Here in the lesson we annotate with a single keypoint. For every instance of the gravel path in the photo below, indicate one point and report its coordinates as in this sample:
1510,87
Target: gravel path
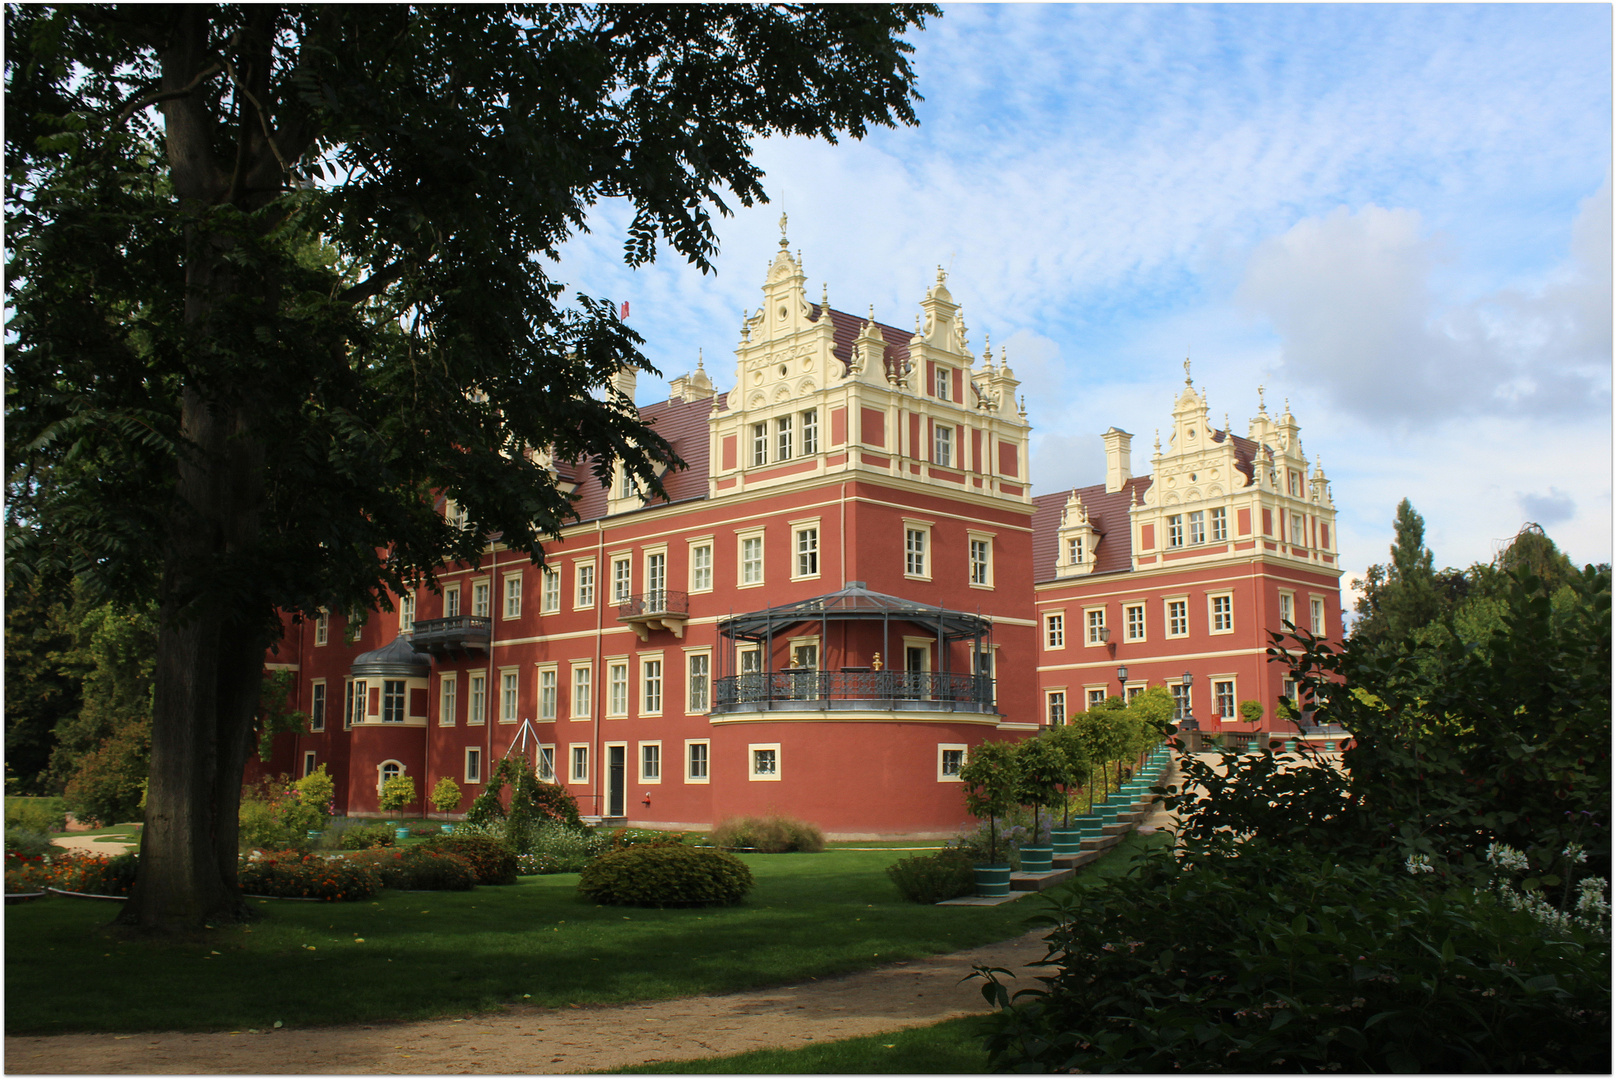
527,1039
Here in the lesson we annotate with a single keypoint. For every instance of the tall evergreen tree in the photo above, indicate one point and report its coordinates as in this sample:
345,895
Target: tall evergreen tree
1400,597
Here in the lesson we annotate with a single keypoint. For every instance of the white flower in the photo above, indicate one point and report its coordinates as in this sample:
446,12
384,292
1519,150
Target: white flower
1505,856
1419,864
1575,853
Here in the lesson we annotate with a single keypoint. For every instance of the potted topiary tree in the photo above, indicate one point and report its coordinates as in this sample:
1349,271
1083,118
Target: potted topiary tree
990,786
397,793
445,795
1042,769
1067,840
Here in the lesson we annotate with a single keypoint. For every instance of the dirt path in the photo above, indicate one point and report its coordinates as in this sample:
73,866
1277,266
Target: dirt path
534,1040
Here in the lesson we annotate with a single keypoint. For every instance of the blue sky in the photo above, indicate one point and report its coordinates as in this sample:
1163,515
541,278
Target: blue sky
1397,217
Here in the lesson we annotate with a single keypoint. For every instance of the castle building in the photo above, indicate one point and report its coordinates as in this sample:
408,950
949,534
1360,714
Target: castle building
848,587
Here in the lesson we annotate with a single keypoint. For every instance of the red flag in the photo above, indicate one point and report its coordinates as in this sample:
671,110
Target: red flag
624,315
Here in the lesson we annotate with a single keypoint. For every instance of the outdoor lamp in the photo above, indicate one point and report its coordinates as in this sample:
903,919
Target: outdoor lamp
1189,679
1122,675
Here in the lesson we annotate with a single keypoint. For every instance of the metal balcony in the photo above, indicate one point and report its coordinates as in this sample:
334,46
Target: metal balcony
886,691
458,634
660,609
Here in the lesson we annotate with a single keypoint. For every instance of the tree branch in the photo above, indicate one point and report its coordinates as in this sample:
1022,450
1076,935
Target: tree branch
159,96
263,118
371,286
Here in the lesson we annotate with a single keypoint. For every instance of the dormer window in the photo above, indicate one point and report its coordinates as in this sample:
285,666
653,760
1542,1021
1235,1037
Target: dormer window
945,383
1074,550
625,483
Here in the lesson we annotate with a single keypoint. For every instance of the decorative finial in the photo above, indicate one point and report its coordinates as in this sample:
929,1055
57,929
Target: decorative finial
698,359
783,242
1004,358
1287,406
1262,406
1186,371
941,273
824,296
1227,430
917,323
1158,440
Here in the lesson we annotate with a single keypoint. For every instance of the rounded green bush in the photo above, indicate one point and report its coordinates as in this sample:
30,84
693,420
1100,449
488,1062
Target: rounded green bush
929,879
492,861
665,875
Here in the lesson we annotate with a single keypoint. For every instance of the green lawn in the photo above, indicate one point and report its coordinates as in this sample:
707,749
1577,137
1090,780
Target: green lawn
417,955
953,1046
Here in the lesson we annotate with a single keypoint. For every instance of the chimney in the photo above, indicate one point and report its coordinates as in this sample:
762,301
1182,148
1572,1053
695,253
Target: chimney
1118,459
624,381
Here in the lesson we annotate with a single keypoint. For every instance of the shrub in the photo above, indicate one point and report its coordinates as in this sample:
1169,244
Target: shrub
100,875
397,793
360,837
492,861
665,875
556,848
319,877
23,841
928,879
426,830
445,795
279,813
36,815
769,835
988,845
1251,711
418,868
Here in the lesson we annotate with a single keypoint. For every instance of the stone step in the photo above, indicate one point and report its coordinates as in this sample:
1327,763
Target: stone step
1072,862
1038,882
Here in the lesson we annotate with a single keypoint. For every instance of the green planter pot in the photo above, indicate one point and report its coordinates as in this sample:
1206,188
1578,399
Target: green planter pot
315,834
1036,859
1066,841
992,879
401,834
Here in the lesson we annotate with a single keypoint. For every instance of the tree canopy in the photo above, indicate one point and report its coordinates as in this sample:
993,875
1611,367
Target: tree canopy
283,279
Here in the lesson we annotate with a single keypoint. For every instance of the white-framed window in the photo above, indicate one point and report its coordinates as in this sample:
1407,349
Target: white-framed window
916,549
698,682
1096,696
586,585
479,600
751,560
810,432
388,770
583,690
353,703
579,764
317,705
749,659
1316,616
550,590
1055,707
1181,701
308,762
1223,697
1197,527
1220,612
944,381
513,596
392,701
1134,690
1287,610
451,602
981,555
1287,690
544,768
701,567
1133,621
1298,531
950,760
942,439
322,628
624,488
1094,625
1294,478
1175,530
1178,618
477,699
1220,524
656,580
698,754
650,763
805,653
650,687
764,760
455,514
474,765
760,444
782,438
406,613
508,695
622,579
1074,551
807,553
549,691
1055,630
448,705
617,688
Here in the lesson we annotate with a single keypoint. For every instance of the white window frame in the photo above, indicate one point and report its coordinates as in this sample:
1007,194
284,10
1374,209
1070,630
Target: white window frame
744,567
406,612
1094,695
701,577
1054,630
646,777
544,766
386,770
653,684
510,694
1298,528
395,702
353,710
1055,699
477,694
472,765
319,705
1234,698
1315,615
512,606
694,705
914,554
451,601
805,560
753,750
548,685
448,698
943,382
322,629
784,441
1287,609
482,599
550,590
760,444
583,575
656,595
622,578
309,761
810,432
1093,626
1197,525
943,749
1218,520
578,763
1168,603
1175,530
1214,616
942,444
706,761
1074,550
979,573
583,690
617,687
1129,623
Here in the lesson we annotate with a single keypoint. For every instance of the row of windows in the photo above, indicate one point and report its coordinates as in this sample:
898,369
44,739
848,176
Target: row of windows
1224,701
1198,521
794,436
1176,619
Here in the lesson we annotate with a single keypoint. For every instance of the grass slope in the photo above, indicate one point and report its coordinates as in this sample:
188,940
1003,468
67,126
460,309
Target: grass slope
953,1046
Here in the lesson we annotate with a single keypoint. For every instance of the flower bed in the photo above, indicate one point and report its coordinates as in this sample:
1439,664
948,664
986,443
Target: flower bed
293,874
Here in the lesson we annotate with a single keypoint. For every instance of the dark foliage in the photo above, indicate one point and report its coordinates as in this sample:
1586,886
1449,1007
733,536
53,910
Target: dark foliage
666,875
928,879
492,861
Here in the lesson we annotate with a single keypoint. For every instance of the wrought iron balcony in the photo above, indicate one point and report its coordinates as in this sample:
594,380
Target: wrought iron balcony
456,634
837,690
659,609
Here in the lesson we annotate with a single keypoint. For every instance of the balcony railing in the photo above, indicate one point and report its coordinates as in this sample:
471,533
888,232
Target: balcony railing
456,634
659,609
885,690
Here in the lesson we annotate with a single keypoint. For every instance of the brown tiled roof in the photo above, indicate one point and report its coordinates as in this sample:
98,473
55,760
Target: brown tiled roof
684,425
845,329
1108,513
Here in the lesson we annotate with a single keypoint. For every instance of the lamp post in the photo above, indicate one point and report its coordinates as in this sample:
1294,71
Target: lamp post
1189,711
1122,680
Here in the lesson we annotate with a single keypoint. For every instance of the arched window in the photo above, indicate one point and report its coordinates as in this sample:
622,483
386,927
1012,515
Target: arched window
387,771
